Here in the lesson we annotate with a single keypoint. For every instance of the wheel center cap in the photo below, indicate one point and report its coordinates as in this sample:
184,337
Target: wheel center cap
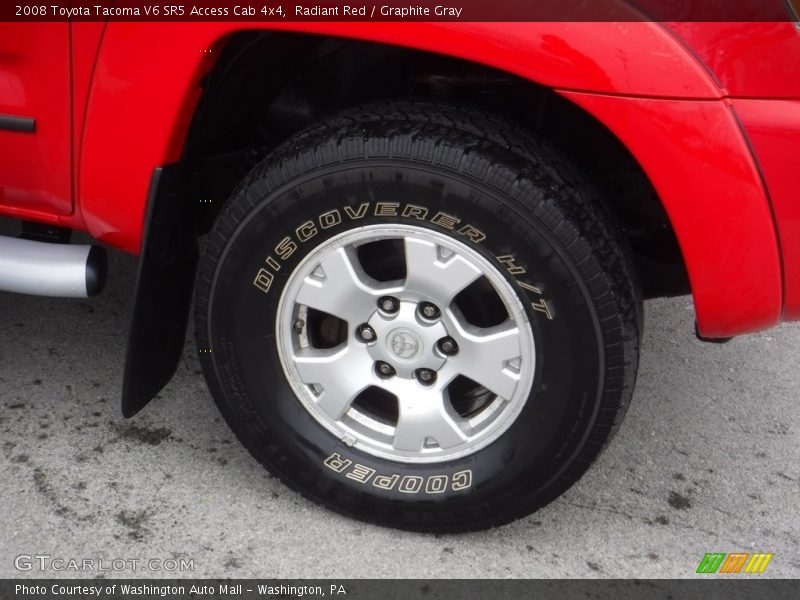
404,343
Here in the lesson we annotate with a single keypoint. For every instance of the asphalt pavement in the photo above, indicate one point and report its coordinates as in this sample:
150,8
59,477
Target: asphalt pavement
706,461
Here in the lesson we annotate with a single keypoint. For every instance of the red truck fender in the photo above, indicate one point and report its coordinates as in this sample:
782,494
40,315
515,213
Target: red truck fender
636,78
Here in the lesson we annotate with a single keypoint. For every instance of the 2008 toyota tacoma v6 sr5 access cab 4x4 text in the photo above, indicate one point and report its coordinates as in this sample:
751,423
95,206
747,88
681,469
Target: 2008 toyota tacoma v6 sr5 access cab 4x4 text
425,245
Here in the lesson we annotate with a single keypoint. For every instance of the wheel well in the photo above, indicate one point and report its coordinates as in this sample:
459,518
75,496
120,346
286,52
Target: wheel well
268,85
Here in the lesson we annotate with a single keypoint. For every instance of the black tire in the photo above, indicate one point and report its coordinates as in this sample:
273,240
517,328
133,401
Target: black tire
535,211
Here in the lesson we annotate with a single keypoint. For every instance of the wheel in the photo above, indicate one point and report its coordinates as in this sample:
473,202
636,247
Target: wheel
418,316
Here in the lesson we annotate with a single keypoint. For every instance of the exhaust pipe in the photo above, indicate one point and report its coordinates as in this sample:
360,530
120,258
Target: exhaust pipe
45,269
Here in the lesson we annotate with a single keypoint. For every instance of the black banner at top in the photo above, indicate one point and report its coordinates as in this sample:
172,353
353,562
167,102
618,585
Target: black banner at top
399,10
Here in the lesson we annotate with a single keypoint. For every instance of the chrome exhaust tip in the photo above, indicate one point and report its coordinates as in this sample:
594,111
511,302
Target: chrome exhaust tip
58,270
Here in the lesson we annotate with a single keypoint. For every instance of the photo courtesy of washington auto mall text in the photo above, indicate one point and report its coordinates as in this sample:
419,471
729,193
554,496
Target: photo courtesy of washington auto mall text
176,589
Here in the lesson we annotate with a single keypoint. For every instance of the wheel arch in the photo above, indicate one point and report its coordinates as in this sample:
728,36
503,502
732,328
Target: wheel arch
148,79
636,85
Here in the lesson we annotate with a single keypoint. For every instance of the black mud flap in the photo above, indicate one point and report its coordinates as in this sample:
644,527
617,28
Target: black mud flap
164,284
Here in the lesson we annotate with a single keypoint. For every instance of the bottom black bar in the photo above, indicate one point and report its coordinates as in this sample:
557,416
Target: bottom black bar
402,589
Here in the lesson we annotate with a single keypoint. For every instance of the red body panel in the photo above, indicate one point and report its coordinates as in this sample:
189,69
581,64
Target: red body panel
698,160
86,42
773,127
667,102
35,168
754,60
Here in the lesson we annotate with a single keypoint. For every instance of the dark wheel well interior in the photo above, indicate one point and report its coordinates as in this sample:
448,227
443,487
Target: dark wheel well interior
268,85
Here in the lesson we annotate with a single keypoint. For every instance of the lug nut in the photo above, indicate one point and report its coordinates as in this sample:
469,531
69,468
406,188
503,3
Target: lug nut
425,376
365,333
447,346
428,310
389,304
384,369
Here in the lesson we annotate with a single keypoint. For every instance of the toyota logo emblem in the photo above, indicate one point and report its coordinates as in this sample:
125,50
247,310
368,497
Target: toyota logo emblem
404,343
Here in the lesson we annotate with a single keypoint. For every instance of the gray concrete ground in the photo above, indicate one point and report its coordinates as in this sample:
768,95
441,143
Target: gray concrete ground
707,460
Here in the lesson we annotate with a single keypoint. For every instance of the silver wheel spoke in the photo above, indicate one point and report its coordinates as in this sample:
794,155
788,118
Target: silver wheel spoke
407,347
341,373
338,286
434,275
424,414
490,357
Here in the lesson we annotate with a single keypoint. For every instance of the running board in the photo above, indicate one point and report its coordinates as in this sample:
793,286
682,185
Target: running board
44,269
